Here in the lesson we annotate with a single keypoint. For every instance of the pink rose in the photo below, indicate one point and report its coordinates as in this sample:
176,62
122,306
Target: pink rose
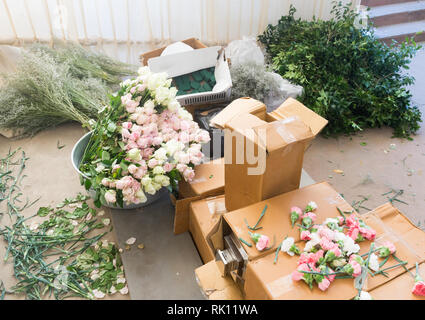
127,125
324,284
152,163
110,196
189,174
305,235
125,133
132,168
168,167
105,182
262,243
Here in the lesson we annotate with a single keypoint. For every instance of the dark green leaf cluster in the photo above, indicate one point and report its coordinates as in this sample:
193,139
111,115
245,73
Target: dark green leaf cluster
349,76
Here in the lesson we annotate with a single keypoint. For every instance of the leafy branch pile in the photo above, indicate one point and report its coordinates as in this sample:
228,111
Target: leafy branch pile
349,76
53,86
59,256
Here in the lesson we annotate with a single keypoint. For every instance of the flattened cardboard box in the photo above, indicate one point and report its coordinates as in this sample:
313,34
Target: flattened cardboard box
266,280
279,137
204,215
399,288
275,279
208,181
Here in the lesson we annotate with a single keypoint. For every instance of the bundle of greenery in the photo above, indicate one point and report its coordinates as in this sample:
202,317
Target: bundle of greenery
349,76
53,86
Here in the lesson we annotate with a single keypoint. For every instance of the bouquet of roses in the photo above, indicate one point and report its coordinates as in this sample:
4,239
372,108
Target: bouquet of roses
142,142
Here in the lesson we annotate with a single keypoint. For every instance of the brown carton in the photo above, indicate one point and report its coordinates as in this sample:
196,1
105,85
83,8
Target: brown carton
204,215
208,181
264,151
275,222
214,286
266,280
193,42
399,288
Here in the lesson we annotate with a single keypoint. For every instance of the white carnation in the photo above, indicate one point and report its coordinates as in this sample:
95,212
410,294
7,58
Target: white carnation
286,245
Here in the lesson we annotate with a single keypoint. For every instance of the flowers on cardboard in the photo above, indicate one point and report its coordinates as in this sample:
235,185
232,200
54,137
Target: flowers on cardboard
387,249
330,249
142,142
288,245
262,242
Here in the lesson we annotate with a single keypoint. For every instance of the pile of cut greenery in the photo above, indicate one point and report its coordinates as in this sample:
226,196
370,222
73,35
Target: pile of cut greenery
59,253
56,85
349,76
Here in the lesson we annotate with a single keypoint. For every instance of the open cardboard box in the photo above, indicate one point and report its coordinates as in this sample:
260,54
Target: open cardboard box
264,151
184,62
208,182
205,214
264,279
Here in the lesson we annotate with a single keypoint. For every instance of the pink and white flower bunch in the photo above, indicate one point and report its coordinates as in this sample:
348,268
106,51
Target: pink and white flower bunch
158,140
331,248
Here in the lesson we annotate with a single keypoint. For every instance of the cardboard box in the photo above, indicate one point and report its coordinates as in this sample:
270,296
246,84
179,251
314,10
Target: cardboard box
204,215
208,180
399,288
204,186
275,279
187,61
214,286
264,151
276,223
193,42
265,280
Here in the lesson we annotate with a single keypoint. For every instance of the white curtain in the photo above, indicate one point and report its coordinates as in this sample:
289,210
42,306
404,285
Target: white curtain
126,28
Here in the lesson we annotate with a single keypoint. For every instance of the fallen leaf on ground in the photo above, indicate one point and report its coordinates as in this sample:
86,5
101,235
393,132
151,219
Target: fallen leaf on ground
141,246
338,171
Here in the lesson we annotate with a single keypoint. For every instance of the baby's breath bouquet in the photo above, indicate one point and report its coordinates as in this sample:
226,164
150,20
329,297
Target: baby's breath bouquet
142,142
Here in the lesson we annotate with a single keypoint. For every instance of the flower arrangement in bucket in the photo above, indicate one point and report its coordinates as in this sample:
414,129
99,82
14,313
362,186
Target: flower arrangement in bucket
144,141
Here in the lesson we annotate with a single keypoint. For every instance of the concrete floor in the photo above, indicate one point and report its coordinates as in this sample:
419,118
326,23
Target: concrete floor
376,168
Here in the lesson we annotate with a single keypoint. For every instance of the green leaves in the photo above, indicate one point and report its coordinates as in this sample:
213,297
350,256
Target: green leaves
349,76
44,211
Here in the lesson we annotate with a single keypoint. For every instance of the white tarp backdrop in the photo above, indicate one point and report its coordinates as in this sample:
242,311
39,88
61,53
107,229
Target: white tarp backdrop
125,28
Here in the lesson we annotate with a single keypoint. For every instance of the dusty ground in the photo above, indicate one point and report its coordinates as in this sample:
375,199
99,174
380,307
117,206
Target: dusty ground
50,176
381,165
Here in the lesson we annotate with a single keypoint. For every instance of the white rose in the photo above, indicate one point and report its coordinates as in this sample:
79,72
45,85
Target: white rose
144,71
160,154
161,95
171,146
157,186
141,195
184,114
146,180
158,170
172,93
134,154
150,188
149,104
174,105
157,80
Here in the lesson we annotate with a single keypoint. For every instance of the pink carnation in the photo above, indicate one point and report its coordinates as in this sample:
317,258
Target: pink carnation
327,244
262,243
310,215
324,284
390,246
367,233
297,210
305,235
297,275
357,268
